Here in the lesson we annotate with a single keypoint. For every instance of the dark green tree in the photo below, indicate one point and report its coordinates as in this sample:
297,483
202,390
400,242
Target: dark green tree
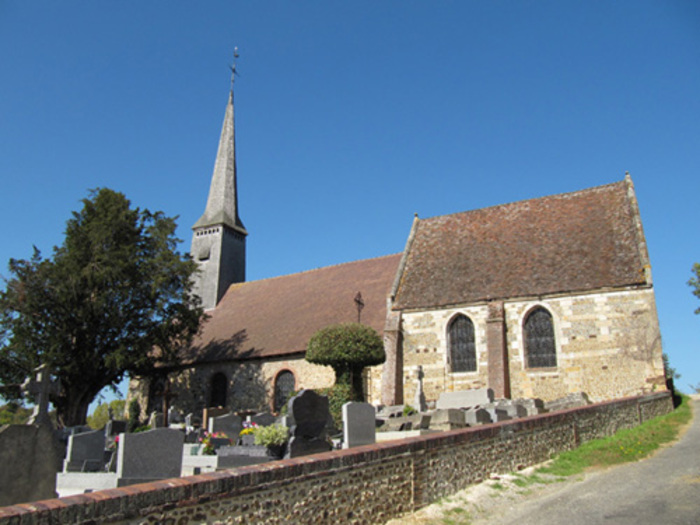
694,283
114,291
348,349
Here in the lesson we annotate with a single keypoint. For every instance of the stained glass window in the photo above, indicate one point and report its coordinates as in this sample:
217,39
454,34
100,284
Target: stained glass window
462,355
540,347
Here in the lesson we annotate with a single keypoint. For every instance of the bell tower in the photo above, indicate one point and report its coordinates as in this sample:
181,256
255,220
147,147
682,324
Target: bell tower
219,237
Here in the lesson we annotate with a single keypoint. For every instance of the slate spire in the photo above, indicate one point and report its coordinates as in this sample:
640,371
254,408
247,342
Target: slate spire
222,204
219,237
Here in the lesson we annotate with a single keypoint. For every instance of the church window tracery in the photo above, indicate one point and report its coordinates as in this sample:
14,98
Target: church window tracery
461,344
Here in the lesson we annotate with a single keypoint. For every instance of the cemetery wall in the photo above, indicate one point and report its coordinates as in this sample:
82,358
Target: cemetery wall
608,346
368,484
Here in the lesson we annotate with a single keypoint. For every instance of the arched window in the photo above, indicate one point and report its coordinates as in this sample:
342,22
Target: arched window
284,386
462,348
540,347
218,390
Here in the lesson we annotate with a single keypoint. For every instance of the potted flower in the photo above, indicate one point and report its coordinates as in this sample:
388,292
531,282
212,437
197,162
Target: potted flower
213,440
273,437
246,436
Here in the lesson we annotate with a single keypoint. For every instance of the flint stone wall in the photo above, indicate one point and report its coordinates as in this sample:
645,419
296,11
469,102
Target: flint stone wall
368,484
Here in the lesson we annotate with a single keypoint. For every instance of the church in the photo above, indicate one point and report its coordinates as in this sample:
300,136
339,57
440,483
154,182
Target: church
534,299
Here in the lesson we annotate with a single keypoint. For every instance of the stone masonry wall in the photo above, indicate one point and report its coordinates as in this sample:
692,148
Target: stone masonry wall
608,345
250,383
368,484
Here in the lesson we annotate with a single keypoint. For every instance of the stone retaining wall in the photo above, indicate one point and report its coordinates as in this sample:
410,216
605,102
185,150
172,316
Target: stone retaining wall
368,484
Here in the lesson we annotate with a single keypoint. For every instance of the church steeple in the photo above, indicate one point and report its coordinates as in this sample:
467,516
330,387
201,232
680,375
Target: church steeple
222,204
219,237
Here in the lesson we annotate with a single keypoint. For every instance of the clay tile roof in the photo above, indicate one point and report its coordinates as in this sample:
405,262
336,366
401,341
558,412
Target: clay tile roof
277,316
586,240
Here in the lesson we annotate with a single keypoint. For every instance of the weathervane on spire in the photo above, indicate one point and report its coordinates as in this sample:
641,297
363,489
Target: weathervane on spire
232,67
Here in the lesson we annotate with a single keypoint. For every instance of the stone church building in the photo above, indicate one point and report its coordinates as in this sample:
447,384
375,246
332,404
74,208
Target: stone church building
537,298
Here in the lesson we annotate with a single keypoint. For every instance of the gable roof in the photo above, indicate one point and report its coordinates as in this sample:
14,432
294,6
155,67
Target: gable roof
586,240
278,316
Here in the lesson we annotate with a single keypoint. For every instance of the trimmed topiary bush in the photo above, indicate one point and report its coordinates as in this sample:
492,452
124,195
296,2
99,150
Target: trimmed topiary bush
348,349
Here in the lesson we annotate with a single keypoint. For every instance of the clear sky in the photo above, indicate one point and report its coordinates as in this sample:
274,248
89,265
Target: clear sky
353,116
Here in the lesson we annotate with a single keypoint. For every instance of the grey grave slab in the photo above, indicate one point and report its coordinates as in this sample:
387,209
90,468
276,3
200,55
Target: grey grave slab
447,419
359,424
532,406
263,419
114,427
30,456
390,411
155,454
465,398
477,416
229,424
85,452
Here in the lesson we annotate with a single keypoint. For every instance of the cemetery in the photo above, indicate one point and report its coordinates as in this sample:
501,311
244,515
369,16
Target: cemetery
338,475
382,443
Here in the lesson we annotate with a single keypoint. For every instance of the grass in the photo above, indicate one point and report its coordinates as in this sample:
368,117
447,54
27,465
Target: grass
625,446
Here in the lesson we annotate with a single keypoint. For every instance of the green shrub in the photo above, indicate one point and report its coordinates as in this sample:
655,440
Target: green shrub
134,416
348,349
273,435
338,395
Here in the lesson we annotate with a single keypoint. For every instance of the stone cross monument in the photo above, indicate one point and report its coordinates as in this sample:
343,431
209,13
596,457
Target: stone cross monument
40,388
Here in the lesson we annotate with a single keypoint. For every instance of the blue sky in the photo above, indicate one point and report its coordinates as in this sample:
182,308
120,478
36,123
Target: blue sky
353,116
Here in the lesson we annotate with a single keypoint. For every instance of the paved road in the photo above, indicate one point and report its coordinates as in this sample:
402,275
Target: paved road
662,490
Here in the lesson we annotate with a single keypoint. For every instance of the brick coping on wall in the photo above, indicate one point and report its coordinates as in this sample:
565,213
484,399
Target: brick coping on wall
134,501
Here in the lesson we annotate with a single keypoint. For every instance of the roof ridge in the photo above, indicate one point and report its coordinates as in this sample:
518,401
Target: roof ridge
532,199
316,269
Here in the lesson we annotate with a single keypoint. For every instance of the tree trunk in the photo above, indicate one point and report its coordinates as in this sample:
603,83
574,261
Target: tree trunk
72,407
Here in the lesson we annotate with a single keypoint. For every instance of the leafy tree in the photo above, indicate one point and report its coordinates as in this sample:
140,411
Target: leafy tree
113,291
14,414
98,419
694,282
348,349
669,370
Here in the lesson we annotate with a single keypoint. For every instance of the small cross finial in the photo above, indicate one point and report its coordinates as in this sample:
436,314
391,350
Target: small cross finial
232,67
359,304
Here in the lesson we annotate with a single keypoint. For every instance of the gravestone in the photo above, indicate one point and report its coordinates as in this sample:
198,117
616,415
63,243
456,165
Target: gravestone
497,414
390,411
30,457
86,452
573,400
263,419
359,424
311,415
477,416
447,419
465,398
532,406
40,388
148,456
115,427
513,409
175,416
229,424
156,420
419,399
